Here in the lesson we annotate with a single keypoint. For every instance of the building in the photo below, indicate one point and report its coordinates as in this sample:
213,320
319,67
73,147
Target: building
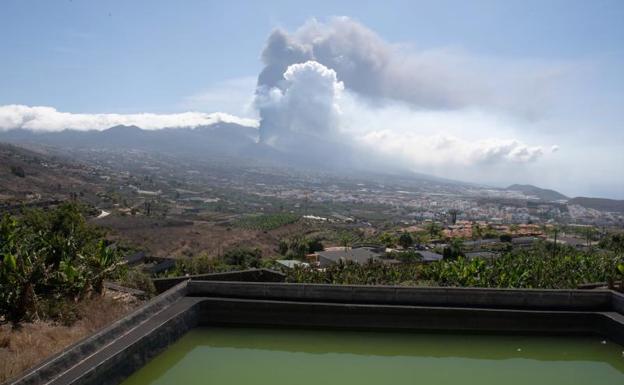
429,256
359,255
291,263
482,255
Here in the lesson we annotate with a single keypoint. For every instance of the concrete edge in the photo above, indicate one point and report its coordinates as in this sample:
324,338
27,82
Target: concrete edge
59,362
595,300
248,275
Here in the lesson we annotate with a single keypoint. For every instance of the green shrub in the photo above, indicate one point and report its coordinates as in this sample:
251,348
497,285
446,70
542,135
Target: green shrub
139,280
534,268
50,256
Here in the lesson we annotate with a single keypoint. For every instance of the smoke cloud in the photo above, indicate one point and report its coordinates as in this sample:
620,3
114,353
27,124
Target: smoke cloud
433,79
339,84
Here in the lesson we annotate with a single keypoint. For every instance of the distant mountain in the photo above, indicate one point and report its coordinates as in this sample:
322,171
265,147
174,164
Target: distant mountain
239,144
600,204
229,141
540,193
216,139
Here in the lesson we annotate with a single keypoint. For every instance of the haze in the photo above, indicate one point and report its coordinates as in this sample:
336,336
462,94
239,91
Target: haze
485,92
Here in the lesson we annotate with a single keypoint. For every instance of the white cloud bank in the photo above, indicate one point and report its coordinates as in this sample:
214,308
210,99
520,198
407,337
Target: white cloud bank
40,118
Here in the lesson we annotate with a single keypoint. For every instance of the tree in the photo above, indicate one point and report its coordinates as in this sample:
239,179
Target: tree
346,240
477,231
314,245
590,233
409,256
453,250
243,257
18,171
405,240
555,231
282,247
505,238
453,213
387,240
434,230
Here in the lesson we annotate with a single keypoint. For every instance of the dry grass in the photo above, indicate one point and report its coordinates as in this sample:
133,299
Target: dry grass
32,343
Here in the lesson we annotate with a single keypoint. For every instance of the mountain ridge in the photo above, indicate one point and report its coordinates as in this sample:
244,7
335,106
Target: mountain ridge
541,193
236,141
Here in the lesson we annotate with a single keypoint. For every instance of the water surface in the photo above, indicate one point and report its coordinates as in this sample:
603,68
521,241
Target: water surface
245,356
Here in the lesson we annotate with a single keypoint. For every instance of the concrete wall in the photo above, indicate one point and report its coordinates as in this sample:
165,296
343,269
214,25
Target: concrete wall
68,358
250,275
578,300
617,302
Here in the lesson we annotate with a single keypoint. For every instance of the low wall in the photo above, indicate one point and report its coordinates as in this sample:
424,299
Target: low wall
617,302
578,300
250,275
241,312
66,359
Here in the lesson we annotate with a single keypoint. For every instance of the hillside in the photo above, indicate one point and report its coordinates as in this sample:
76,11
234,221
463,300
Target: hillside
219,139
540,193
229,142
600,204
27,175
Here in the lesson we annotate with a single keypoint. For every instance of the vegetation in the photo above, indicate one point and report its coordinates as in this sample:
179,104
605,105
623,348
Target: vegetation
18,171
534,268
407,256
505,238
266,222
299,247
387,240
235,259
614,242
31,343
405,240
136,279
434,230
49,259
373,273
453,250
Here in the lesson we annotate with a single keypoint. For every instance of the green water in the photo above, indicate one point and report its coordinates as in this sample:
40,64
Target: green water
241,356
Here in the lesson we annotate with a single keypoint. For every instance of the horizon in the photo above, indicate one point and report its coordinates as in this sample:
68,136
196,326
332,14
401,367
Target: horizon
514,93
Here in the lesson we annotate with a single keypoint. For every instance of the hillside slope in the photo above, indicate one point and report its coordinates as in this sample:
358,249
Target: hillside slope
30,175
600,204
541,193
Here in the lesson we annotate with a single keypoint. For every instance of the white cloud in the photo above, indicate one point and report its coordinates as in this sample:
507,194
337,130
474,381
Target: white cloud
40,118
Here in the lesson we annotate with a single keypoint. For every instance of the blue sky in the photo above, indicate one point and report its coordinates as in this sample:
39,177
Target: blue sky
164,57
